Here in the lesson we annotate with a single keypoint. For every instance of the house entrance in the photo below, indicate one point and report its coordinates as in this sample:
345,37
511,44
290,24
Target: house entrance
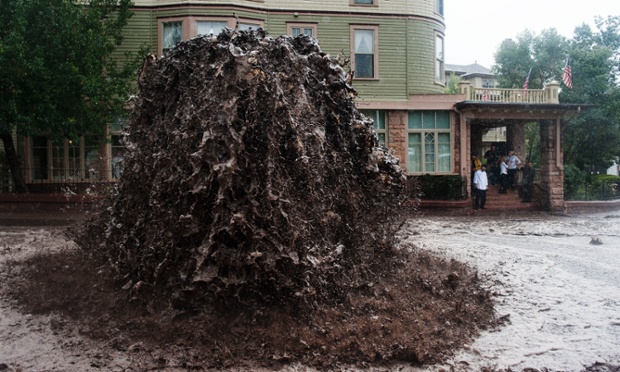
478,119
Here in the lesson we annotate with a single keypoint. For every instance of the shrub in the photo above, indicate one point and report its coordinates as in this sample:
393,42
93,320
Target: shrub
445,187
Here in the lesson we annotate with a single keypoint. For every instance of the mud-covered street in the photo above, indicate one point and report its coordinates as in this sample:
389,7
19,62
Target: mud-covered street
557,290
557,281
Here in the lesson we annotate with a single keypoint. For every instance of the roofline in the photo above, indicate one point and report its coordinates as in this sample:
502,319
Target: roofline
463,105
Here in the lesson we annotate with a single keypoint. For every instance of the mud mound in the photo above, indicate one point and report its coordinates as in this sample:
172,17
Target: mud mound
257,211
250,176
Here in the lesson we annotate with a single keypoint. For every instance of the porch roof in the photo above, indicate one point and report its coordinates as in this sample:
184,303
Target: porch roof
511,111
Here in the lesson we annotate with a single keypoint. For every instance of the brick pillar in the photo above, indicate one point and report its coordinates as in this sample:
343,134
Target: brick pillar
551,165
515,139
397,135
476,141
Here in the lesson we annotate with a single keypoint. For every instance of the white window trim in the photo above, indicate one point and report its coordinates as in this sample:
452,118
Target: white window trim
440,75
375,30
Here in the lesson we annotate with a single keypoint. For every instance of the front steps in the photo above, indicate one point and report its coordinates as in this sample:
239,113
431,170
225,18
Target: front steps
510,201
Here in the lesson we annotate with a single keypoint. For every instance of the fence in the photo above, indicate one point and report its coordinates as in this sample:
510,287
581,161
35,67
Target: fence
59,180
6,180
597,190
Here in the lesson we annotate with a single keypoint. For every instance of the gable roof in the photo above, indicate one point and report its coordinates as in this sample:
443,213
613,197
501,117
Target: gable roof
466,71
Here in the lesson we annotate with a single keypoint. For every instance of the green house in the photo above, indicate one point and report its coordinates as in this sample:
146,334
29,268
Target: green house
396,52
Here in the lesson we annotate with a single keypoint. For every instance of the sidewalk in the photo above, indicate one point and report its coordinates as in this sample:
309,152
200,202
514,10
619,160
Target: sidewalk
62,216
44,209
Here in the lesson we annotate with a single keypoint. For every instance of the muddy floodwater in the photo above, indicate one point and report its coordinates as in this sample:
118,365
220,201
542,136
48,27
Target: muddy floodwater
556,280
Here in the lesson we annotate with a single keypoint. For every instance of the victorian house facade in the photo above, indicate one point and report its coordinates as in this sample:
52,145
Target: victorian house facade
396,49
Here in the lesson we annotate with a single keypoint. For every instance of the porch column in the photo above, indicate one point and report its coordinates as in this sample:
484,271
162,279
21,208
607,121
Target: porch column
515,139
397,135
476,141
465,139
551,165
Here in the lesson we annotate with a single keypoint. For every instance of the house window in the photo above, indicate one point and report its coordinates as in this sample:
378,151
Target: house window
364,52
488,83
439,59
249,26
62,160
172,35
378,118
174,30
439,7
429,142
210,27
296,29
363,2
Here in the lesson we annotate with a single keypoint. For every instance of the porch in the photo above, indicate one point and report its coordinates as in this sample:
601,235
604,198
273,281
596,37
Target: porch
548,95
513,109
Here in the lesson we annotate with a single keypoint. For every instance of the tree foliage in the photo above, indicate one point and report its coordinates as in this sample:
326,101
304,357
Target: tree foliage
591,138
57,75
452,87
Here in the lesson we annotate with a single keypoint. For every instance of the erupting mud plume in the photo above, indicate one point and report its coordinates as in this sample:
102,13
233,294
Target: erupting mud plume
250,175
256,199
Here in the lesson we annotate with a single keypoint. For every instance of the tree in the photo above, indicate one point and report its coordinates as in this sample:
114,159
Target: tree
58,76
513,61
543,54
453,84
592,138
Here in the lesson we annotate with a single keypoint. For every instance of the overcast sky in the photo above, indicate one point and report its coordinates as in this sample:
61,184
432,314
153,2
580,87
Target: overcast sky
476,28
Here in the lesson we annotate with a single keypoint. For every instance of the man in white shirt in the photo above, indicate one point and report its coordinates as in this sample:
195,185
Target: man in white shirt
513,163
481,183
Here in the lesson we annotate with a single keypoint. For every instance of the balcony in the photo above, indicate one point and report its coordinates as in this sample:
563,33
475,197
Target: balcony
544,96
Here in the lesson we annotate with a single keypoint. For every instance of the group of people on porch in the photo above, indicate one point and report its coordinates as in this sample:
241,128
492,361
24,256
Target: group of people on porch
504,170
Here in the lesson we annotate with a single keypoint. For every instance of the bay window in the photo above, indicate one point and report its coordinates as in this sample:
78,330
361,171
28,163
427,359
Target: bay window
210,27
429,142
172,34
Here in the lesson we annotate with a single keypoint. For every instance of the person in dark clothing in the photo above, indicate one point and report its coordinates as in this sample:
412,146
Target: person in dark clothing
528,181
492,156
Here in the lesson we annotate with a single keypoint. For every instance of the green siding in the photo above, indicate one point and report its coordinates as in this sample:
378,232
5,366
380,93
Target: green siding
421,50
138,32
406,36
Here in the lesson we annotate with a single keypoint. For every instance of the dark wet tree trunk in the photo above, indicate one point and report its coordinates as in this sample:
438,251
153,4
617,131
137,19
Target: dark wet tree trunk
14,166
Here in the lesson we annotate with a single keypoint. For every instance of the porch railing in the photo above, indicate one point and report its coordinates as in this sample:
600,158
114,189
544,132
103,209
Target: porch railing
547,95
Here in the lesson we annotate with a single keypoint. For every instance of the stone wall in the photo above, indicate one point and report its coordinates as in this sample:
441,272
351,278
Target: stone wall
551,168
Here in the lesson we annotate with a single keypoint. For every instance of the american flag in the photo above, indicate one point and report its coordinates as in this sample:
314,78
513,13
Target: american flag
526,85
567,76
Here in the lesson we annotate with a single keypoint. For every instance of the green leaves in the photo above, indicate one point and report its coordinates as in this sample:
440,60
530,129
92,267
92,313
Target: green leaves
58,75
592,138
